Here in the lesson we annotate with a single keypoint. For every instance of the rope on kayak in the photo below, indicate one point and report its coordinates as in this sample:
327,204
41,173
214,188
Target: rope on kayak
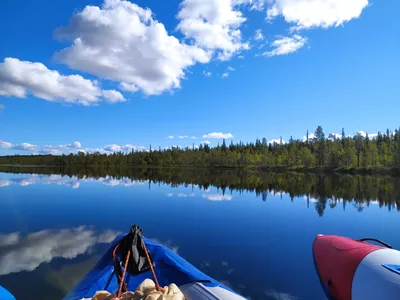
151,267
119,279
123,275
378,241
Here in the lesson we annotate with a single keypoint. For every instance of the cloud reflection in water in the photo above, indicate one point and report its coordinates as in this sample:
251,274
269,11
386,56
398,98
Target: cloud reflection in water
73,182
25,253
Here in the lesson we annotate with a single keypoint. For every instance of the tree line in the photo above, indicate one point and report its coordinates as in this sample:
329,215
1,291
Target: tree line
341,153
321,191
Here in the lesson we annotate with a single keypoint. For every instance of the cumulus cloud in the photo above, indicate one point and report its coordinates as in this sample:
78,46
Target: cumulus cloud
372,135
25,147
240,57
224,75
25,253
207,74
286,45
127,147
258,35
257,5
170,137
205,142
364,134
311,136
113,96
276,141
230,68
334,135
213,25
186,137
217,135
305,14
5,145
128,87
74,145
139,52
18,78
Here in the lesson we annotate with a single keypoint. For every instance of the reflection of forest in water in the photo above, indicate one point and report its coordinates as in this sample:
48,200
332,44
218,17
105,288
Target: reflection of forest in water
321,189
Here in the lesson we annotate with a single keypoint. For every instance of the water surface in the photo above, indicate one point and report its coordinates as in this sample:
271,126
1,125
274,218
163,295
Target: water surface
252,232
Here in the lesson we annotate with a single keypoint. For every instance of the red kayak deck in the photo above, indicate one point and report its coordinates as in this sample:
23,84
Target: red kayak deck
336,259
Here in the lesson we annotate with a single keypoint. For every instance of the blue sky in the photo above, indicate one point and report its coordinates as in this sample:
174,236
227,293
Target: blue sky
96,75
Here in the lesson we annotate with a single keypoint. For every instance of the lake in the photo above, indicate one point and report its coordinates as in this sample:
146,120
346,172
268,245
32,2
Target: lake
251,231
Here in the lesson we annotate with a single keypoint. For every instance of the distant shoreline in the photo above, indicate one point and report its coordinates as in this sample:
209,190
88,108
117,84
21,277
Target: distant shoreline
264,169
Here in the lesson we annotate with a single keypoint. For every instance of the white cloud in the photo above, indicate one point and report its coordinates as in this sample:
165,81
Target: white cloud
26,253
277,141
122,42
335,135
25,147
310,137
124,148
224,75
372,135
362,133
113,96
258,35
216,197
170,137
240,57
5,145
74,145
94,150
285,45
128,87
231,69
217,135
18,78
207,74
205,142
213,25
187,137
112,148
257,4
57,149
305,14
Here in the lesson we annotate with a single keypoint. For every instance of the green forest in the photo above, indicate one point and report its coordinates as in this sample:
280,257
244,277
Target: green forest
358,153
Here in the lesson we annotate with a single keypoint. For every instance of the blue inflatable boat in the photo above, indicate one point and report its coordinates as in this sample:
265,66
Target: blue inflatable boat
145,257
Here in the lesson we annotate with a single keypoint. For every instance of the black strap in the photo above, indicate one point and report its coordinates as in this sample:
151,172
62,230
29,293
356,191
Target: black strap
138,263
376,240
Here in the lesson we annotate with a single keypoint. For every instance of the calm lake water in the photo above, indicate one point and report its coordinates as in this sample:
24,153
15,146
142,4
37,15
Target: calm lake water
252,232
